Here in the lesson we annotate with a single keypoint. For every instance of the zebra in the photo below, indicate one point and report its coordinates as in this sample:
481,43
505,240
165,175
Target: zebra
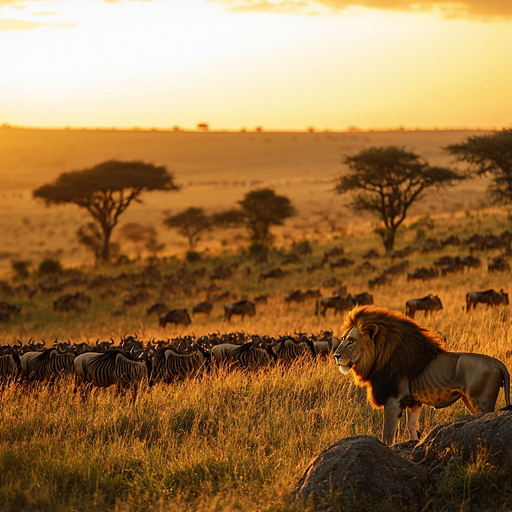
10,365
113,367
250,355
49,364
171,364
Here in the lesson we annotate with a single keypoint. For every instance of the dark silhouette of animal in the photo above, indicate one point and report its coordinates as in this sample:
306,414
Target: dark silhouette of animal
337,303
203,307
498,264
10,364
341,263
378,281
490,298
405,365
158,307
296,296
427,304
288,349
175,316
362,299
422,274
275,273
371,254
242,308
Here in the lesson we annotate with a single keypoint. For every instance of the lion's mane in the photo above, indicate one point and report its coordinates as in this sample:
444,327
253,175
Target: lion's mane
401,348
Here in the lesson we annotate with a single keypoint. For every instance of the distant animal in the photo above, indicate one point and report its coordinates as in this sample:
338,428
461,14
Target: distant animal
296,296
471,262
315,266
397,269
490,298
498,264
275,273
371,254
175,316
341,263
366,266
427,304
405,365
242,308
203,307
289,259
158,307
220,273
335,251
378,281
261,299
362,299
337,303
422,274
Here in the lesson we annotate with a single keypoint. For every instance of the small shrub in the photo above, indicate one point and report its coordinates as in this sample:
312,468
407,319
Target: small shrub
21,268
257,248
192,256
122,259
50,266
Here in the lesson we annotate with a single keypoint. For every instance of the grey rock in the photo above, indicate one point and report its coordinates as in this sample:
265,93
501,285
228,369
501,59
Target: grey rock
361,467
465,438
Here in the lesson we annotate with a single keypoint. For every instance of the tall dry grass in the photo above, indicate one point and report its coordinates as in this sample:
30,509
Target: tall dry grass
230,441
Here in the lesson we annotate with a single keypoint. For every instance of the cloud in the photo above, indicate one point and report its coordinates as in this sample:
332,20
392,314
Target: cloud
483,9
45,13
19,25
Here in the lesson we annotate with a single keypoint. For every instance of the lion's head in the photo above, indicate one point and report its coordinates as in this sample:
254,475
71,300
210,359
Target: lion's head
383,347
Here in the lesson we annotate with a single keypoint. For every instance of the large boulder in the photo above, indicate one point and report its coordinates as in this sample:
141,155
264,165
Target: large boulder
467,437
361,467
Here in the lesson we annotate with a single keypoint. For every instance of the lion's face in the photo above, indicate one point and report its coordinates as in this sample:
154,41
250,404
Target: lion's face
350,351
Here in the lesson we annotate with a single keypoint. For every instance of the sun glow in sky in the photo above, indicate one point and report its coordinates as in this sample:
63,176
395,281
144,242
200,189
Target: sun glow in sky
281,64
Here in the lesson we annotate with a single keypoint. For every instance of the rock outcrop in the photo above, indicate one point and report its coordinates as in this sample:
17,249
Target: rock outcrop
362,467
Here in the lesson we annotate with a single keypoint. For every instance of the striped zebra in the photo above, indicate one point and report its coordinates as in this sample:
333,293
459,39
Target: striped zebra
49,364
251,355
10,365
114,367
289,349
171,364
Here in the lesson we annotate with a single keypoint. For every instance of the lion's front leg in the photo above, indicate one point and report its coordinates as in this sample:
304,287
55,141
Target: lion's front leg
392,413
413,421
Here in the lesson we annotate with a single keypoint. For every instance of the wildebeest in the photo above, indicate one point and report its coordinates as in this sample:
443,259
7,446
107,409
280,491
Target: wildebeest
203,307
366,266
124,369
289,259
337,303
378,281
422,273
489,297
471,261
10,364
275,273
48,364
251,355
158,307
341,263
71,302
362,299
427,304
315,266
288,349
171,364
371,254
296,296
175,316
261,299
220,272
335,251
397,269
498,264
242,308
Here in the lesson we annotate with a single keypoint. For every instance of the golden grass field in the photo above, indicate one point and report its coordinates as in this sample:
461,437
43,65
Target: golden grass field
231,441
214,169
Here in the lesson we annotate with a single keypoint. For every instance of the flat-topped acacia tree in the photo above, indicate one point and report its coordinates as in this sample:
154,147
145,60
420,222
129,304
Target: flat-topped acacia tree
106,190
386,181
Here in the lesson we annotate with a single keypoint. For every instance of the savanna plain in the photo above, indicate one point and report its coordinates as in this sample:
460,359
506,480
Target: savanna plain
230,440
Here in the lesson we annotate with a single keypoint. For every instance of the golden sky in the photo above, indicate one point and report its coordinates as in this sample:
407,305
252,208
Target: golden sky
280,64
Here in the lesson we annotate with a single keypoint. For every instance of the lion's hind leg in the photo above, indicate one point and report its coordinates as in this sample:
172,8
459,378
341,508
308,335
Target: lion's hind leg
413,421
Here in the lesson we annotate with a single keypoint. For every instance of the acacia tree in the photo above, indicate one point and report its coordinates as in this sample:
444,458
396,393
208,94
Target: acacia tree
190,223
386,181
489,154
263,208
106,190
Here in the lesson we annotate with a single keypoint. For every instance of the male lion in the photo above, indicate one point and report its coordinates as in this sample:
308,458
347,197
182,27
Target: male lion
405,366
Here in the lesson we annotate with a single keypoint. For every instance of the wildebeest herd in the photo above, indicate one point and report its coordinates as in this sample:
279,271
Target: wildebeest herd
138,287
133,361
